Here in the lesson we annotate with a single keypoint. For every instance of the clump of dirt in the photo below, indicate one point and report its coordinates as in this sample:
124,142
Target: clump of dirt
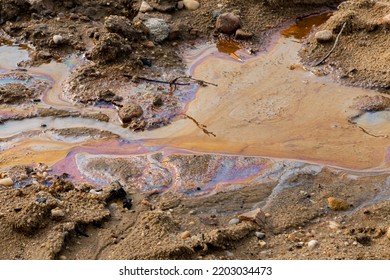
41,217
361,56
372,103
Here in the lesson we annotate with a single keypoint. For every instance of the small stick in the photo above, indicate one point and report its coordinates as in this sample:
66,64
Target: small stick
201,126
334,46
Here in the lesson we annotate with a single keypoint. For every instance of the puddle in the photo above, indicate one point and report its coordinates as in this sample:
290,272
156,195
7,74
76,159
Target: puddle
303,27
12,128
260,108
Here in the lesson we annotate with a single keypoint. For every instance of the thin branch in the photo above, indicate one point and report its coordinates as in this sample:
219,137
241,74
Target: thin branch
201,126
173,83
333,48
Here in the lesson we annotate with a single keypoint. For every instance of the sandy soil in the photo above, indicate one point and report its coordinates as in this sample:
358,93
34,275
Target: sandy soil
274,215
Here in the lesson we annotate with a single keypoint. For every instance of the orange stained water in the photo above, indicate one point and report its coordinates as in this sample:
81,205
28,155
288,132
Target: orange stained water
263,108
260,108
302,27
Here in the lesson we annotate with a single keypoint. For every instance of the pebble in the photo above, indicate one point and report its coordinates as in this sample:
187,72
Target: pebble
184,235
191,4
130,111
324,36
334,225
58,39
228,23
262,243
312,244
6,182
256,216
386,19
234,221
229,254
149,45
337,204
180,5
260,235
63,258
145,7
158,28
57,213
388,233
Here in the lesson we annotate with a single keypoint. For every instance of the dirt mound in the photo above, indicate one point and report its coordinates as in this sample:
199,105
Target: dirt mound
362,54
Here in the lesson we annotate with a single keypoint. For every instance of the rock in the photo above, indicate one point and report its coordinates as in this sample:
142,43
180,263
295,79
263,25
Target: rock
184,235
57,213
228,23
6,182
262,243
324,36
234,221
149,45
386,19
334,225
180,5
158,29
243,35
229,254
191,4
130,111
312,244
337,204
163,5
145,7
256,216
260,235
58,39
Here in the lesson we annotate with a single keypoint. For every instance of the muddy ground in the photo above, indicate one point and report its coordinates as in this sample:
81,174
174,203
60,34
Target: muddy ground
301,211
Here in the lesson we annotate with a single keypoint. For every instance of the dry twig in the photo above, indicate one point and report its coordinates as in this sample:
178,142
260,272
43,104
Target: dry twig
333,48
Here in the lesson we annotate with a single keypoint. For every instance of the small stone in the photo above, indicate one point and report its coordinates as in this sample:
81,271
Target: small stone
324,36
6,182
262,243
58,39
228,23
386,19
44,55
149,45
256,216
145,7
337,204
312,244
57,213
130,111
260,235
63,258
184,235
334,225
234,221
388,233
180,5
191,4
243,35
158,28
229,254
